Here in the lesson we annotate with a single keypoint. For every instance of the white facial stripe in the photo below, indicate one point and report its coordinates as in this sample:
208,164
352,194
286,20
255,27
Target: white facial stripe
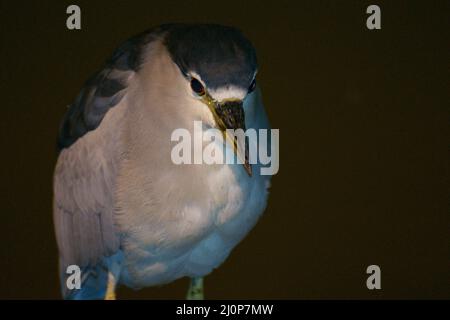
220,94
228,93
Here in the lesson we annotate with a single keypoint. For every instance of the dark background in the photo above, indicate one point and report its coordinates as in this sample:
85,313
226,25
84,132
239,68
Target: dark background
363,119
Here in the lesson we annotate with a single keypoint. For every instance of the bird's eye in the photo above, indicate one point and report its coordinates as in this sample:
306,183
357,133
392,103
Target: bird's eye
197,87
252,86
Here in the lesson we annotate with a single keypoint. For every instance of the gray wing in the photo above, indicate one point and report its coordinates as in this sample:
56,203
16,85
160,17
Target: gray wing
103,90
85,172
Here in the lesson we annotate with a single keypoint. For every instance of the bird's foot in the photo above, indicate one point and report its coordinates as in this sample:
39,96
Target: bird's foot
111,288
195,291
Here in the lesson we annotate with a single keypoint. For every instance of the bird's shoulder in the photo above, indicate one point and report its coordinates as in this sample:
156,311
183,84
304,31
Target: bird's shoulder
104,89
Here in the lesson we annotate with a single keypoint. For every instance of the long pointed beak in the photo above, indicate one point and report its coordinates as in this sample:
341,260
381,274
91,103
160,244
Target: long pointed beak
230,115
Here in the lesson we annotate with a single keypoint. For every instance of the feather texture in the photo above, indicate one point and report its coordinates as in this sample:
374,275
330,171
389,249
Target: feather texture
120,204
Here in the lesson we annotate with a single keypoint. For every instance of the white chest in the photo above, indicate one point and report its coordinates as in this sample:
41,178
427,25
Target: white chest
190,236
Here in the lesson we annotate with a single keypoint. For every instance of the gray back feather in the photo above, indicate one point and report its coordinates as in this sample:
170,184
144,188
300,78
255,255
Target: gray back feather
86,170
103,90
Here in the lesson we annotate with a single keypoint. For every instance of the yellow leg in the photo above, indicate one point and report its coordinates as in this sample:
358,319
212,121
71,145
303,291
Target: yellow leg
111,288
195,291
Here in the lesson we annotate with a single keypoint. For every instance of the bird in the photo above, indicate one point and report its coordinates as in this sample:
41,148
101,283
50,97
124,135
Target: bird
123,212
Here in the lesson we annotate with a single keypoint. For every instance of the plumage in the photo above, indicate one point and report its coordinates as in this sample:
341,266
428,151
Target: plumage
120,204
219,54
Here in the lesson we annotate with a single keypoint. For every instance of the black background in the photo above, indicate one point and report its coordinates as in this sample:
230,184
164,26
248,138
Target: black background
363,119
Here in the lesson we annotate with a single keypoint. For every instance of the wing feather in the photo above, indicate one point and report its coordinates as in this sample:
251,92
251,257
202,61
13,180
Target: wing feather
88,145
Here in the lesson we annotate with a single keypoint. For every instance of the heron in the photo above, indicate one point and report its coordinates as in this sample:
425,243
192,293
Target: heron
123,211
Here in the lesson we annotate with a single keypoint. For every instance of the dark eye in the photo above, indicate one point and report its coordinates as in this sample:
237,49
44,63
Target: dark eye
197,87
252,86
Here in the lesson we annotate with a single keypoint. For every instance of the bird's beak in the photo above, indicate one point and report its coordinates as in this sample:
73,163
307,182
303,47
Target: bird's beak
229,114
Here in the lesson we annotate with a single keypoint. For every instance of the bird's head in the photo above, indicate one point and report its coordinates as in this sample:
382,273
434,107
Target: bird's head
219,66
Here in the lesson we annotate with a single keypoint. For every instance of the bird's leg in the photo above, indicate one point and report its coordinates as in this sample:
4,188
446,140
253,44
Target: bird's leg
111,287
195,291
